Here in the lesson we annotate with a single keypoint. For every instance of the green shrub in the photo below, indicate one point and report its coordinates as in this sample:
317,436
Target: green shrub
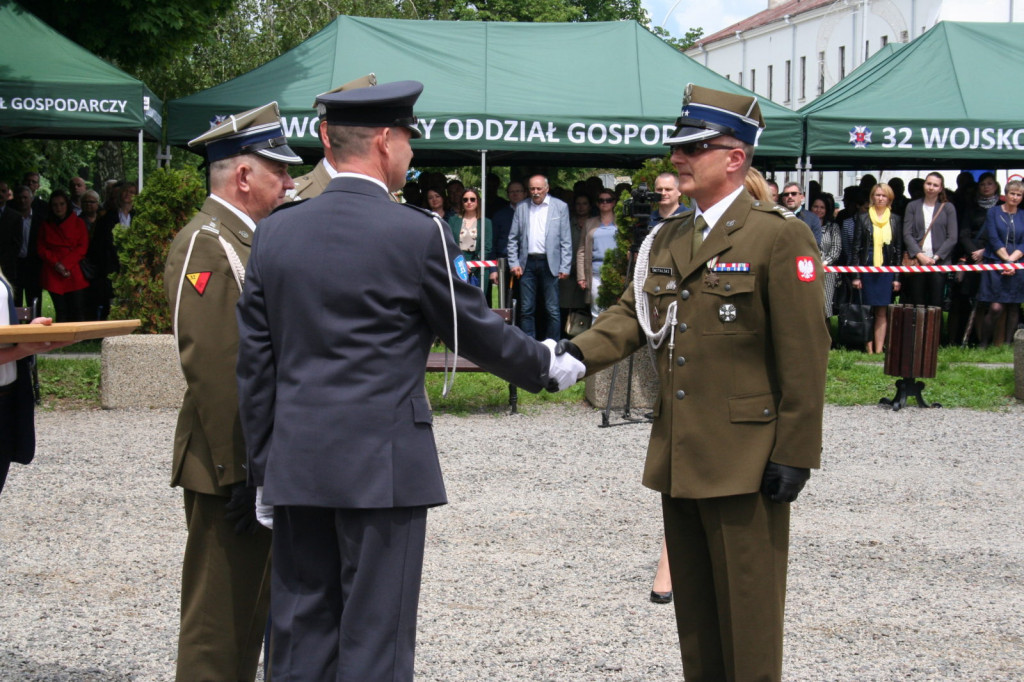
169,200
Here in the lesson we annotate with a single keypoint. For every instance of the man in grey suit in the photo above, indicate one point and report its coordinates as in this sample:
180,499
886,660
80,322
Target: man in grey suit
540,253
344,294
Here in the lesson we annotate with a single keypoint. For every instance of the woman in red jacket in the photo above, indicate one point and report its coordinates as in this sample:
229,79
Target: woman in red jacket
63,242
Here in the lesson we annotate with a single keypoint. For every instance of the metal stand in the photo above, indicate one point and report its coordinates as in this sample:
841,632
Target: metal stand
907,387
627,417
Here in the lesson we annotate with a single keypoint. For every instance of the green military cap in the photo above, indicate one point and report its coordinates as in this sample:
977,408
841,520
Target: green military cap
257,131
367,81
709,113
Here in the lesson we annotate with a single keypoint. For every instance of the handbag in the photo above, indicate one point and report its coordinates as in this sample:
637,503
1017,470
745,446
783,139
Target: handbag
907,260
577,322
855,321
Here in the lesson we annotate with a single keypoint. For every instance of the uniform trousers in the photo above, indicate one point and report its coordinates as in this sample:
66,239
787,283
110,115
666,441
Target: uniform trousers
727,557
225,595
345,592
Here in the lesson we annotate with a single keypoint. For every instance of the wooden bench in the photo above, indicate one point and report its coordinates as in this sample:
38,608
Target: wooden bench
436,362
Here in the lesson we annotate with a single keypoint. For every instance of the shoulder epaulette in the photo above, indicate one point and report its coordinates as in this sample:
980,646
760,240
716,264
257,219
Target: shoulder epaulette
419,209
287,204
769,207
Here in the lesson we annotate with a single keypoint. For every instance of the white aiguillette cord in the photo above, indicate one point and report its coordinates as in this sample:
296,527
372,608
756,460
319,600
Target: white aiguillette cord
654,338
447,386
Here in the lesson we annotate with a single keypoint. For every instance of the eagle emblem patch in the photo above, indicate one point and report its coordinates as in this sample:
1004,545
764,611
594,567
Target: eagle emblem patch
805,268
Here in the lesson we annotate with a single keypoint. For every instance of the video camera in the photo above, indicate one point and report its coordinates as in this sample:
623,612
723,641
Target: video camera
640,202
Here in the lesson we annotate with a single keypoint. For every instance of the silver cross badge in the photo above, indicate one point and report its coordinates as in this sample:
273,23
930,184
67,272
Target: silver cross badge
727,313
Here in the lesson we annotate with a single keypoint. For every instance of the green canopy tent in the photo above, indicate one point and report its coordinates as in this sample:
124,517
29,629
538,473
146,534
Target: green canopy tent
569,94
50,87
931,104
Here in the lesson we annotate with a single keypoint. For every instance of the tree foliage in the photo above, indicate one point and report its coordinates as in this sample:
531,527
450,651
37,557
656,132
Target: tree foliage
131,33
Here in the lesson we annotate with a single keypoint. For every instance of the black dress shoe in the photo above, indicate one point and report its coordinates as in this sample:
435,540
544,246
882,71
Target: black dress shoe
661,597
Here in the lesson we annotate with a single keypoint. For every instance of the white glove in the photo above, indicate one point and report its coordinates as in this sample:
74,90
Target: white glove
264,512
564,369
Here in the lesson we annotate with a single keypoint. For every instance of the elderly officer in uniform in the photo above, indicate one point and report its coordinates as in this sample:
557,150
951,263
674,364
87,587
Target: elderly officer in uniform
315,182
730,295
344,294
225,577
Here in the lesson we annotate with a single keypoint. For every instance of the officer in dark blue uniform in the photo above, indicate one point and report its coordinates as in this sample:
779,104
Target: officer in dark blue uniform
344,294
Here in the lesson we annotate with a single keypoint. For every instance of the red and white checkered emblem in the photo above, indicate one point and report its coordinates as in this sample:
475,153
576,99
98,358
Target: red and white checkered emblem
805,268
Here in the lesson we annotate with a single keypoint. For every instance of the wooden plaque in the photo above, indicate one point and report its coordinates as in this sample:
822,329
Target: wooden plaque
66,331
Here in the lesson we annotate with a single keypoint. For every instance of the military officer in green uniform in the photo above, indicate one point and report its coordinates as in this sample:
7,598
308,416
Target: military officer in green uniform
225,576
729,294
313,183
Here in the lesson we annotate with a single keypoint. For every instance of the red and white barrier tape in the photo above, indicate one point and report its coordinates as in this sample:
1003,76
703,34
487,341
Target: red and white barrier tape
925,268
481,263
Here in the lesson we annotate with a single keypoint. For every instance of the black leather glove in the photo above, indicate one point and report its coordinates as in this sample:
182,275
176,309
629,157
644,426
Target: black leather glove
783,483
561,348
241,509
567,346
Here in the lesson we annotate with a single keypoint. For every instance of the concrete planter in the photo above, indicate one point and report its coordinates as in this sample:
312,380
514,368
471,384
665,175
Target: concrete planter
140,370
645,383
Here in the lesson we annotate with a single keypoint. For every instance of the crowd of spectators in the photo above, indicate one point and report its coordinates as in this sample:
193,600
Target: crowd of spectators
879,225
63,244
875,223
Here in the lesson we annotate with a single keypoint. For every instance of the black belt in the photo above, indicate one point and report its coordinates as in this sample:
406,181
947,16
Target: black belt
537,256
8,389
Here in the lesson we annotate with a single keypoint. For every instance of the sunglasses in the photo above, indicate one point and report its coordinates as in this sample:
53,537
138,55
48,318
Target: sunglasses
469,200
606,201
697,148
790,194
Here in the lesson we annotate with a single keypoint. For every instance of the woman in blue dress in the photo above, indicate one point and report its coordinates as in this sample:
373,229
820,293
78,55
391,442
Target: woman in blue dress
1004,234
877,241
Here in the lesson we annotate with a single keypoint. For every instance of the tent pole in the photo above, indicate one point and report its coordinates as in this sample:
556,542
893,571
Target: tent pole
140,160
481,225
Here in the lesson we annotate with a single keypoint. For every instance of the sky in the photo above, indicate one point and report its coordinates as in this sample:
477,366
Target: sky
679,16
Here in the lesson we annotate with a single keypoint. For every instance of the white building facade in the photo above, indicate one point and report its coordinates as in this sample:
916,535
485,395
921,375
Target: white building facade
795,50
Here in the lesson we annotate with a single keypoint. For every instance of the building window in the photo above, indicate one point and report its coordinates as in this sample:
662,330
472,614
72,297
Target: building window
842,62
771,74
867,49
728,77
740,77
803,78
753,80
885,40
904,36
821,72
788,93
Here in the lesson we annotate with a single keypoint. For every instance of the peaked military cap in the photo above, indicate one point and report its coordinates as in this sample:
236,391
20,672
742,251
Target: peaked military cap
709,113
367,81
257,131
383,106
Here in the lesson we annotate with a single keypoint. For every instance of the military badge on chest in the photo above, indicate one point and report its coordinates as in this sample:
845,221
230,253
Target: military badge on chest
727,312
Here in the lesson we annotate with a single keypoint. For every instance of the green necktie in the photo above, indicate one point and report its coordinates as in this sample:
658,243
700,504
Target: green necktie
699,225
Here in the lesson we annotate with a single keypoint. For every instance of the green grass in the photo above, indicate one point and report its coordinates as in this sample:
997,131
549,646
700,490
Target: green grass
478,392
857,379
69,383
853,379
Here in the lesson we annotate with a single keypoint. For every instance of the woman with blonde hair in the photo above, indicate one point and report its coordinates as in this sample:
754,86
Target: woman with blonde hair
878,241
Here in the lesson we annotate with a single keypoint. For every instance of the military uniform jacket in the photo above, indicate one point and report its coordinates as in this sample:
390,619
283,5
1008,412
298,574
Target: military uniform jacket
344,294
311,184
745,381
209,454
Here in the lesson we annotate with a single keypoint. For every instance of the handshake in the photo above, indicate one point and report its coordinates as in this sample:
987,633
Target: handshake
566,367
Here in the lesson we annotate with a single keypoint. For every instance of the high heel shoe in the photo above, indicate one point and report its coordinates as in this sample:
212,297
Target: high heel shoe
661,597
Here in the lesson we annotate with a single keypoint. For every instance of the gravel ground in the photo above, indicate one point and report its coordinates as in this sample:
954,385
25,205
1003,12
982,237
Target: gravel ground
907,557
